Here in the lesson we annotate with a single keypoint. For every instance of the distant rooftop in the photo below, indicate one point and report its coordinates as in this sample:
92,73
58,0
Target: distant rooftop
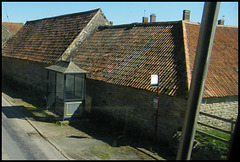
13,26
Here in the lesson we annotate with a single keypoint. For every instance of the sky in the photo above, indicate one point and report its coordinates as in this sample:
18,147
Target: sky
118,12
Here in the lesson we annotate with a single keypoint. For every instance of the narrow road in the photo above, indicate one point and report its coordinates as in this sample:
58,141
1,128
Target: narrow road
20,141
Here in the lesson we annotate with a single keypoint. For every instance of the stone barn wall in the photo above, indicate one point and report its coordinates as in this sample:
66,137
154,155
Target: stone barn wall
29,73
130,105
134,108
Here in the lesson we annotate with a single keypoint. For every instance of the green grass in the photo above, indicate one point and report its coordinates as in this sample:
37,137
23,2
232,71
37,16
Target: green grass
213,143
58,123
219,134
214,149
99,153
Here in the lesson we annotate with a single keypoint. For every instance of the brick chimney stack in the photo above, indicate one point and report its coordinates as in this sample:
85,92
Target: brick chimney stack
220,22
144,19
186,15
152,18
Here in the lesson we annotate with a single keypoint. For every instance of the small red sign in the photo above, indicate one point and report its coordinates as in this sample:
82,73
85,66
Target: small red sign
155,102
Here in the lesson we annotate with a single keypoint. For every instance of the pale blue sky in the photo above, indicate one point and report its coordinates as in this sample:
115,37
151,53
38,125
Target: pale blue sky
118,12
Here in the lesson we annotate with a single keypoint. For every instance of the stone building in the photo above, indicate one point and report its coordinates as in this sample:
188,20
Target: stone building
44,42
121,60
9,29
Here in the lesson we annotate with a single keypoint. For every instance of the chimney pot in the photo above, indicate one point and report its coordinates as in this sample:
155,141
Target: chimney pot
186,15
145,19
220,22
152,18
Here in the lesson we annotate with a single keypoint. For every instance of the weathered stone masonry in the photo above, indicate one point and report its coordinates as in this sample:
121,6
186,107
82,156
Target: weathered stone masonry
26,72
224,107
134,107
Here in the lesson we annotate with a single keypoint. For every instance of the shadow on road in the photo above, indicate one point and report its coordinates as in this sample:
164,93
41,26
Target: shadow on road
10,112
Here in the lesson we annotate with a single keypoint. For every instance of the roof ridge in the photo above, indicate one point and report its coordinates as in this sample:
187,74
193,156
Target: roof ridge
198,23
13,22
139,24
71,14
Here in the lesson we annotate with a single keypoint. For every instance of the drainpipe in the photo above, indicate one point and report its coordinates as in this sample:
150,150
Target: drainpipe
203,54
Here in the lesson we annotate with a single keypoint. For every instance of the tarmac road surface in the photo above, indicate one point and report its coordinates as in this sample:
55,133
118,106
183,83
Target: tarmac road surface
20,141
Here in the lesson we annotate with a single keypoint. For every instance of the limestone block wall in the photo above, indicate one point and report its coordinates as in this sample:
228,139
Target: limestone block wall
134,108
224,107
28,73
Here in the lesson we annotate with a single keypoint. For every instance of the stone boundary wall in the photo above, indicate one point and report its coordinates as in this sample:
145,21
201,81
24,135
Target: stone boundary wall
224,107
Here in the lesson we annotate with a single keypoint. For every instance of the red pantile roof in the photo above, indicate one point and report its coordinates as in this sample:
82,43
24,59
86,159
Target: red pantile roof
45,40
128,54
13,27
222,76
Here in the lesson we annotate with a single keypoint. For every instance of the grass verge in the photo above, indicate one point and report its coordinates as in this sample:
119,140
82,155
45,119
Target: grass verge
216,148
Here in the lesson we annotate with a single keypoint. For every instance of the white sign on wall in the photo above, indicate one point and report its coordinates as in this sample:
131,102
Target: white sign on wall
154,80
